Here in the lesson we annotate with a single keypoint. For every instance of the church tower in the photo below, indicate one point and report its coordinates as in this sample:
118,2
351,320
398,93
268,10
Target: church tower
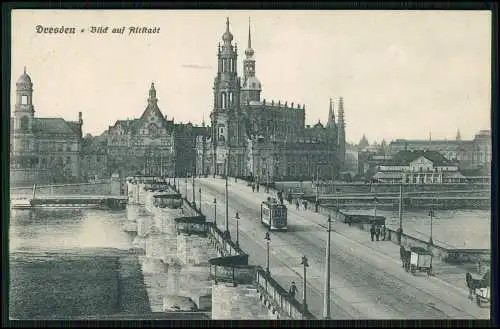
24,110
341,133
225,119
251,88
331,125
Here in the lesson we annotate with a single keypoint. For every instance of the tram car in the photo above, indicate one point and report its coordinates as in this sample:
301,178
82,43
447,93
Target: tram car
273,215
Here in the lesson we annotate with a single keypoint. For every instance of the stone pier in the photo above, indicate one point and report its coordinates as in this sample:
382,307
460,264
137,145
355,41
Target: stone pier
239,302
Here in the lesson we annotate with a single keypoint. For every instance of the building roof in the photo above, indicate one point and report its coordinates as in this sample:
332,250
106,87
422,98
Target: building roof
406,157
47,126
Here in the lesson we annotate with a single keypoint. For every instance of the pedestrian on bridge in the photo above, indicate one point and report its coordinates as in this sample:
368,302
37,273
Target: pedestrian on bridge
384,232
293,289
297,205
372,231
377,232
253,187
257,187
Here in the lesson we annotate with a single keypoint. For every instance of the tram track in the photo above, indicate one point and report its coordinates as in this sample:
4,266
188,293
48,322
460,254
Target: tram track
345,259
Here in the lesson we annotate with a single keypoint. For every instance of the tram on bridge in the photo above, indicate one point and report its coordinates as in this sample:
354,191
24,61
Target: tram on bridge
273,215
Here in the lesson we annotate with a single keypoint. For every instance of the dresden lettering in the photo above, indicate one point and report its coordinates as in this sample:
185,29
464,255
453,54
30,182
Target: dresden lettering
55,30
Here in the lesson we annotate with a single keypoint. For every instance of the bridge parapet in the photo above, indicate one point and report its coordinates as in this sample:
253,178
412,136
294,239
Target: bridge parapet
98,188
278,300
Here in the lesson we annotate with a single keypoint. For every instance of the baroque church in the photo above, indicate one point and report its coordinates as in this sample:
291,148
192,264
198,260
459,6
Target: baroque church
42,150
266,140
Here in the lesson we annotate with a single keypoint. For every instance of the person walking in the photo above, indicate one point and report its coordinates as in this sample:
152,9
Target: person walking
305,204
384,232
293,289
253,187
257,187
297,205
372,231
377,232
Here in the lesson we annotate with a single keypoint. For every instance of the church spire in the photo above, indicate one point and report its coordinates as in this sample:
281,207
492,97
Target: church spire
249,51
24,69
331,114
458,135
152,94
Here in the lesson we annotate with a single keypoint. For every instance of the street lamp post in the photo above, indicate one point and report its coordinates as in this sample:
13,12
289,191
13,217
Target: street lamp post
268,240
326,302
337,195
194,196
431,214
199,197
400,213
186,185
267,185
215,211
375,210
304,295
237,229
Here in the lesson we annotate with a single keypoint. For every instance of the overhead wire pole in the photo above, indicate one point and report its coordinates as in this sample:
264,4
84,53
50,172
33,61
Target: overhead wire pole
326,302
228,235
194,196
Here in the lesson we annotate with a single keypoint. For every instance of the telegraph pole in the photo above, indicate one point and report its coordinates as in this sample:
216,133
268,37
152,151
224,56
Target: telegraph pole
326,302
228,235
199,194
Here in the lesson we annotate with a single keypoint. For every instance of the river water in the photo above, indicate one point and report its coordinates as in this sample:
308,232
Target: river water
462,229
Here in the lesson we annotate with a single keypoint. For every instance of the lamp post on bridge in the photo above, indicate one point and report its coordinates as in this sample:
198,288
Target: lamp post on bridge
268,240
337,197
215,211
237,229
304,262
194,196
199,195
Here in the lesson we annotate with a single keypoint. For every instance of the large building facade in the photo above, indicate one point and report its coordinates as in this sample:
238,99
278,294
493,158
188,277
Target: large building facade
42,150
469,154
267,140
144,145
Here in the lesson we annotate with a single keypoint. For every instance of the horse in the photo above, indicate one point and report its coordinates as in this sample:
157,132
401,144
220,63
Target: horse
405,257
473,284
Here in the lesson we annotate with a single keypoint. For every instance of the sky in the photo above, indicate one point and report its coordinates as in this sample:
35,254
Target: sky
402,74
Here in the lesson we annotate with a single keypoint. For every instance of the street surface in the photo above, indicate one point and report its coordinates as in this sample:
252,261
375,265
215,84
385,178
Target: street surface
365,283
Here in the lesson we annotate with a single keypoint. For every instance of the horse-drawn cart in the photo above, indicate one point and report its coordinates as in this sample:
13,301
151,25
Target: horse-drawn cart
420,260
405,258
480,288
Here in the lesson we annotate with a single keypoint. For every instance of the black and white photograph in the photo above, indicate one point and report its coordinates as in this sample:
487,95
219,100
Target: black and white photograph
250,165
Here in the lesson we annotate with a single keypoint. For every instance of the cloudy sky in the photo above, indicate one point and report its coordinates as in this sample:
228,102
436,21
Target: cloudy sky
402,74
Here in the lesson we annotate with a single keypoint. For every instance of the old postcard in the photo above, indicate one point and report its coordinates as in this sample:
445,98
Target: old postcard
250,165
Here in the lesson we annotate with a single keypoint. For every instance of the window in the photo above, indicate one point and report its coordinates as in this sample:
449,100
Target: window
24,99
24,123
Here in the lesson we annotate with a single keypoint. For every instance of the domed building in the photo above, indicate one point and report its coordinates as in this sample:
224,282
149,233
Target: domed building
42,150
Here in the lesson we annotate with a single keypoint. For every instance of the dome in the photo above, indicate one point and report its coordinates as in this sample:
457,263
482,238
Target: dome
227,36
24,78
249,52
252,83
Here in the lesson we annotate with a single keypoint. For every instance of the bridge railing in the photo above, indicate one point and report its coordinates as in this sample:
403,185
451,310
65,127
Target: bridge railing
99,188
281,301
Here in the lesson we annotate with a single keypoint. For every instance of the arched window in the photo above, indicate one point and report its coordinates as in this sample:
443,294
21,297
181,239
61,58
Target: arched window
224,100
24,123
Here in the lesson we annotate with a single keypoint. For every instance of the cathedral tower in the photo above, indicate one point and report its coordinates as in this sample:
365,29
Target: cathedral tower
226,89
24,110
331,125
251,88
341,133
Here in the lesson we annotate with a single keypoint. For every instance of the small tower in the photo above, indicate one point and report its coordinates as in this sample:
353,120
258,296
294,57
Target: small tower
24,110
251,88
458,137
331,125
152,95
